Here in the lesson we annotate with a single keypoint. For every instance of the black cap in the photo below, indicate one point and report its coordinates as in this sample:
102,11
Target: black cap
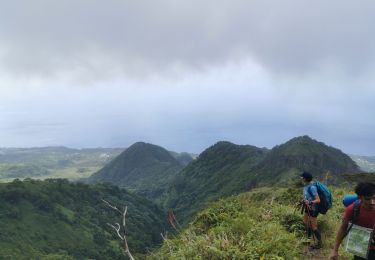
306,175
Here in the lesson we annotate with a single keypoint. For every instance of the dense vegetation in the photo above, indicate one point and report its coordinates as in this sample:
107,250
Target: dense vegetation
261,224
360,177
52,162
143,168
219,171
55,219
225,169
303,153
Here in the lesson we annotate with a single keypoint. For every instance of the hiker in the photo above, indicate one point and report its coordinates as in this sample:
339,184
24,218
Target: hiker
311,200
365,218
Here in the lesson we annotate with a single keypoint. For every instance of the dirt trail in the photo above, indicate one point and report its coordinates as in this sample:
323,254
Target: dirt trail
315,254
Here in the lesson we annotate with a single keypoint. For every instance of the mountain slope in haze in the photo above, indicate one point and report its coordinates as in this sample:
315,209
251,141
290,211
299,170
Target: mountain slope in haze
183,158
143,168
53,162
63,220
366,163
225,169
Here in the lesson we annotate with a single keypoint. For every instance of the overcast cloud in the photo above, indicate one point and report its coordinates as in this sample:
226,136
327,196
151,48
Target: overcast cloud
186,74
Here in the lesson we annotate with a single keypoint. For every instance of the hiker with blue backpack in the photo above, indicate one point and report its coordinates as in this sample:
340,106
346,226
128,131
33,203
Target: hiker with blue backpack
358,224
317,199
310,202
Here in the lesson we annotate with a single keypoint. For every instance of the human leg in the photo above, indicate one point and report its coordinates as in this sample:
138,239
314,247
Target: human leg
306,221
314,226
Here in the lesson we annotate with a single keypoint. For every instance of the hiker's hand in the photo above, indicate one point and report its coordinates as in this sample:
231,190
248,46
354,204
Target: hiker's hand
308,204
334,255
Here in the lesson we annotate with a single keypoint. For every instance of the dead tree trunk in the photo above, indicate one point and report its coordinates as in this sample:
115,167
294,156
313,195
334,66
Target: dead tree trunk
117,228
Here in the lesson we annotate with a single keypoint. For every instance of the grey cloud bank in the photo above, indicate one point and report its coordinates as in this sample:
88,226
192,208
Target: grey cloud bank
186,74
143,37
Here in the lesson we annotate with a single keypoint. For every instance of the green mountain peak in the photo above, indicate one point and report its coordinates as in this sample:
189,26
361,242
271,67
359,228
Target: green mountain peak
143,168
225,169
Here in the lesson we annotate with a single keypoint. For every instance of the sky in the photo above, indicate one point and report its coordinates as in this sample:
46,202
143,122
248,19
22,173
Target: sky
187,74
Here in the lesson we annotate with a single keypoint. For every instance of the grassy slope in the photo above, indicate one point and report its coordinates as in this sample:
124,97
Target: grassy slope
261,223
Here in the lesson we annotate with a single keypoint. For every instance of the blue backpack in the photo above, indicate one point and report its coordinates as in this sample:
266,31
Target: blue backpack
325,197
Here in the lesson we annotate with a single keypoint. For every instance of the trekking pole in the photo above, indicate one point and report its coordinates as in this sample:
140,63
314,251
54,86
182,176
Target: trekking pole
297,205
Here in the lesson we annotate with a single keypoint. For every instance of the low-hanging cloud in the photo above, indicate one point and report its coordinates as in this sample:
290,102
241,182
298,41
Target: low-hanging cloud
185,74
138,38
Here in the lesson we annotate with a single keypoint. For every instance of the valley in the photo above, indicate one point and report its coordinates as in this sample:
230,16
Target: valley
225,202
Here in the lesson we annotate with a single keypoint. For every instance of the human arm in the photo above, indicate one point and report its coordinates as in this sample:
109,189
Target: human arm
316,199
339,237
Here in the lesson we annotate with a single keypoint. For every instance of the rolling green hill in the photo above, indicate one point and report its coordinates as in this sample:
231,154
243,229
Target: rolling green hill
225,169
55,219
143,168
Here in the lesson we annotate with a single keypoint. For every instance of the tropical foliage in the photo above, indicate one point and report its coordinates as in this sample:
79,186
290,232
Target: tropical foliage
143,168
56,218
226,169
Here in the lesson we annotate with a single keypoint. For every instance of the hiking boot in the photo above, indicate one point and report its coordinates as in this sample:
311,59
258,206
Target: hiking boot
318,244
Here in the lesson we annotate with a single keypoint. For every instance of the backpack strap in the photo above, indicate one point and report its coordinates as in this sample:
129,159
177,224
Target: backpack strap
355,215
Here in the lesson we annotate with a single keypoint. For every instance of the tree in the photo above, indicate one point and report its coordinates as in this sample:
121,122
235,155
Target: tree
117,228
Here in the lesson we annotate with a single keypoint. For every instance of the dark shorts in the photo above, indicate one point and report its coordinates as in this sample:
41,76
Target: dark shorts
313,212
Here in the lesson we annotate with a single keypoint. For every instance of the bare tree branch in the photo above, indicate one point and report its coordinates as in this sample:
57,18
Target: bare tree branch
112,207
175,219
117,228
123,217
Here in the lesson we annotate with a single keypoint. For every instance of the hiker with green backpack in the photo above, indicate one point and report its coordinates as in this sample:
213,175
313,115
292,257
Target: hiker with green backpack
358,225
317,199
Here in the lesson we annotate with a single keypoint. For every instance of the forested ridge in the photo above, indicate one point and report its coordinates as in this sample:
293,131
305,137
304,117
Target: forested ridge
143,168
56,218
226,169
